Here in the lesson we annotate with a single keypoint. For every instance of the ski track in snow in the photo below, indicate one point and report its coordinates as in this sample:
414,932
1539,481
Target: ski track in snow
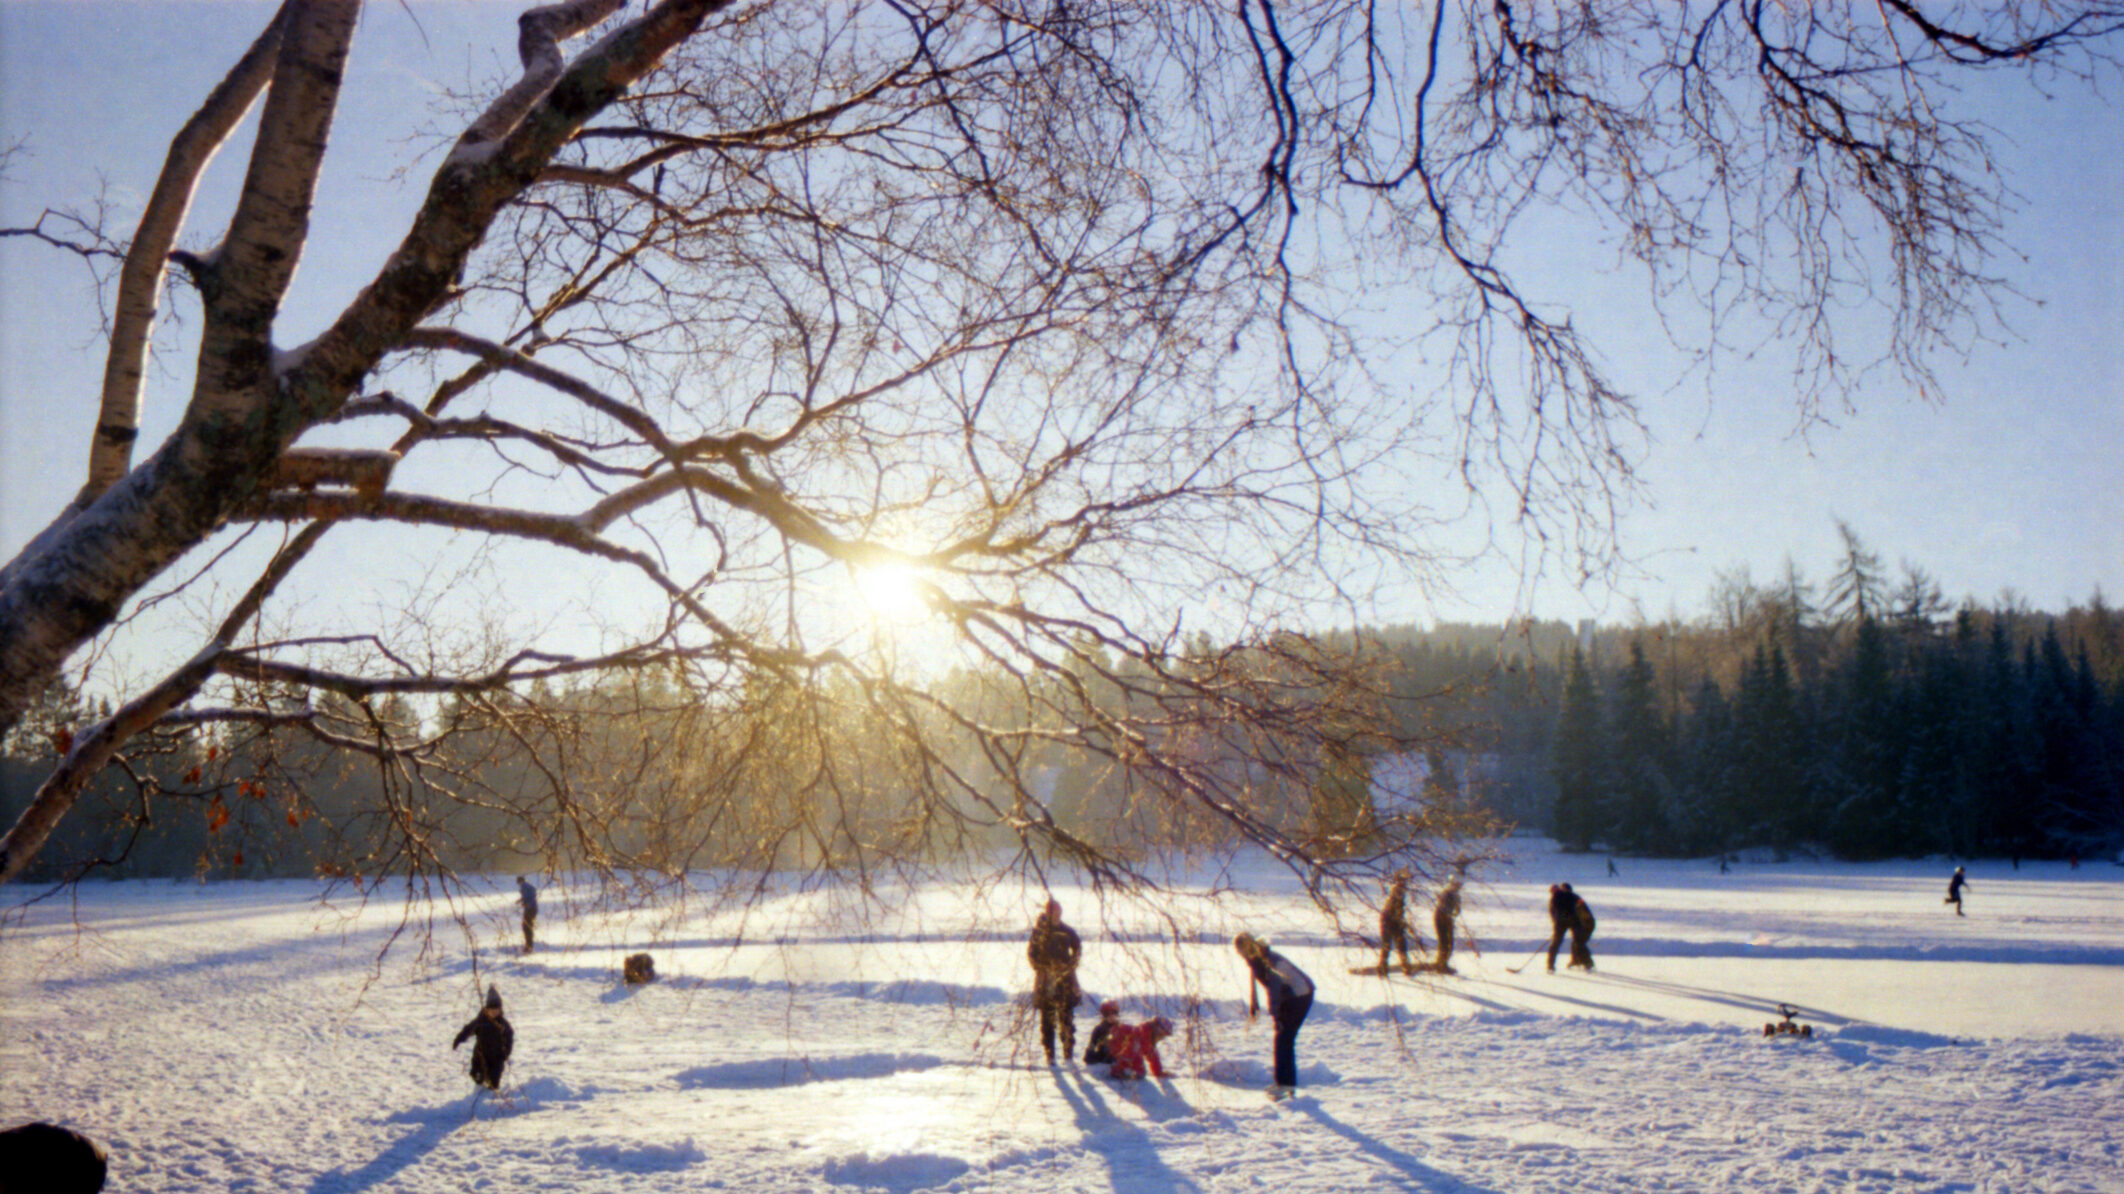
239,1037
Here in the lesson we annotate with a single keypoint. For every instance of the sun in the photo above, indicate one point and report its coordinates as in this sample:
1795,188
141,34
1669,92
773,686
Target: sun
893,592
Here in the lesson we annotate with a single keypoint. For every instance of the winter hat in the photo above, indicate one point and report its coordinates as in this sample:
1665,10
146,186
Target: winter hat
1160,1028
493,997
1054,909
1110,1008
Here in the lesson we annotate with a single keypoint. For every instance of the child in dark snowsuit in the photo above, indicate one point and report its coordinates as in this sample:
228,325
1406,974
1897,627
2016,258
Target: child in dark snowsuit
1954,890
1099,1050
1135,1048
1053,951
1290,995
1394,924
496,1039
527,895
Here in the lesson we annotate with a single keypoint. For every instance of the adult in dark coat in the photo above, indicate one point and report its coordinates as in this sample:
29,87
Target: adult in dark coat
1442,922
1290,997
42,1158
1053,950
1569,914
1581,933
496,1040
1954,890
527,896
1394,924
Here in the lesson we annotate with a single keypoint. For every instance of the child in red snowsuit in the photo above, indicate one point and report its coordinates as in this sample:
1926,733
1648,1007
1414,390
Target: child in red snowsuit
1135,1048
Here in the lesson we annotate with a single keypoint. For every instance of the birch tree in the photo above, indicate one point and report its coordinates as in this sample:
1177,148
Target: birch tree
1079,316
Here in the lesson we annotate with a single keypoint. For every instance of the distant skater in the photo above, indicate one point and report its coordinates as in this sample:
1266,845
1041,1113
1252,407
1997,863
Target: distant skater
1955,884
496,1040
1053,950
1290,996
1394,924
1442,922
1569,914
527,896
1612,872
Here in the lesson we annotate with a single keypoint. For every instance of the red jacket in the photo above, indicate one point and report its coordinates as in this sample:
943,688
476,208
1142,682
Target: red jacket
1135,1047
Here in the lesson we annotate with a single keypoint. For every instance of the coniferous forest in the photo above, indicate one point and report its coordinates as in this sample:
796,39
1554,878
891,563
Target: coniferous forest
1859,718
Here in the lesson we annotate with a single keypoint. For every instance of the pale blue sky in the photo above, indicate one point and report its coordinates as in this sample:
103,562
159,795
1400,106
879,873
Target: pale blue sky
2014,482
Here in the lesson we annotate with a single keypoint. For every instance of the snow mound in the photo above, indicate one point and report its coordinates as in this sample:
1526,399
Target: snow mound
902,1172
1903,1038
641,1157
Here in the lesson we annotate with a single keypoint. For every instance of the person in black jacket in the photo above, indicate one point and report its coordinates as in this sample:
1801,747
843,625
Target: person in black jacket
527,895
1290,996
1954,890
1053,951
496,1040
1569,914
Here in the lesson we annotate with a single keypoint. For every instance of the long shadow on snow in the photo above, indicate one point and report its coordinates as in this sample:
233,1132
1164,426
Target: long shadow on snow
1131,1156
1431,1180
434,1124
1616,1009
1753,1003
770,1072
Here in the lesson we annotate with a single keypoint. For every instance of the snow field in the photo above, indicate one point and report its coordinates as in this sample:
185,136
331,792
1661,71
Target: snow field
246,1037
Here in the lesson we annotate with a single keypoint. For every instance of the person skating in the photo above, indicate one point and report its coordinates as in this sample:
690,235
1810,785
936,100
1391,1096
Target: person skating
1561,903
1053,950
1135,1048
527,896
1290,995
1954,890
490,1052
1581,932
1442,916
1394,925
1569,914
1098,1050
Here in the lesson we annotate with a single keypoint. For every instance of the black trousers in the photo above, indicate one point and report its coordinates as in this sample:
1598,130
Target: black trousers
1289,1015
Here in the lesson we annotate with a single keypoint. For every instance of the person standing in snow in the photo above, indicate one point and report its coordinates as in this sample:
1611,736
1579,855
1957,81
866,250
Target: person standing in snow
1290,995
1394,924
527,896
1053,951
1442,923
496,1040
1955,884
1569,914
1099,1049
1135,1048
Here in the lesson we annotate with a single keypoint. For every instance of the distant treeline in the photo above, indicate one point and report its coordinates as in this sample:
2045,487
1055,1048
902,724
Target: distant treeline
1869,721
1874,723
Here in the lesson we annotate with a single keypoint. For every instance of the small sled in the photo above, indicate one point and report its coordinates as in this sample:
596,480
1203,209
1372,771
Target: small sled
1785,1026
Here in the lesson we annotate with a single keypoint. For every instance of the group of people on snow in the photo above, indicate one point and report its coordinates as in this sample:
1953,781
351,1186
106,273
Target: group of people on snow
1131,1050
1394,934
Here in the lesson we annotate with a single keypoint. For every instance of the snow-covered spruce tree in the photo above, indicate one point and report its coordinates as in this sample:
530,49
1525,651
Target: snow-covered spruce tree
1052,308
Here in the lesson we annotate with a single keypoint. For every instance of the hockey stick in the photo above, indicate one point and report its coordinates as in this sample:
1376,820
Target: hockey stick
1527,963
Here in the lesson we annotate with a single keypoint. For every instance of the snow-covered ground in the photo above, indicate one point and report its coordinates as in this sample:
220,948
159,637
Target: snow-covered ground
245,1036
